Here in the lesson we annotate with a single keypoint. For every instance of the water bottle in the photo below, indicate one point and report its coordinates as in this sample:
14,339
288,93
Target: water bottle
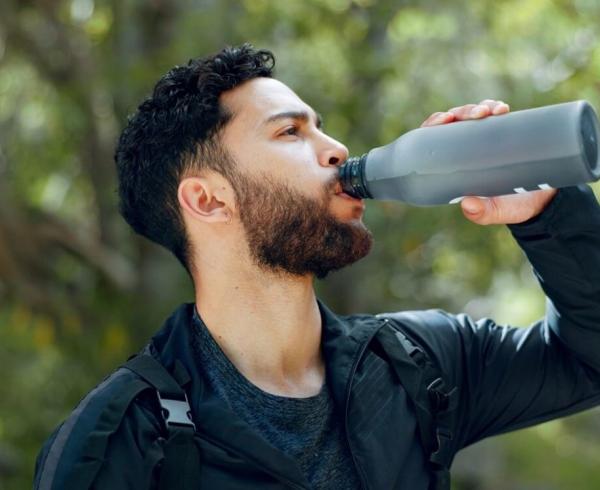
547,147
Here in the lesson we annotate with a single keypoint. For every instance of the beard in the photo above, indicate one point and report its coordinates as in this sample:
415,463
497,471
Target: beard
288,232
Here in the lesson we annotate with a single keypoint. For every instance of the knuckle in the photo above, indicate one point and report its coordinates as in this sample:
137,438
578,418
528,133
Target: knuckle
495,209
461,108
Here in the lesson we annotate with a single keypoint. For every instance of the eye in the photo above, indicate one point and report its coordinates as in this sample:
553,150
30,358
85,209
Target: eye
291,131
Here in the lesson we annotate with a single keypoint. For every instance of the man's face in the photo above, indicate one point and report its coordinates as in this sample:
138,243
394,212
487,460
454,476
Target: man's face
286,183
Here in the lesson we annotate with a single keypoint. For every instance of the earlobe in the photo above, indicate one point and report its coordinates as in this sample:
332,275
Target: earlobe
199,200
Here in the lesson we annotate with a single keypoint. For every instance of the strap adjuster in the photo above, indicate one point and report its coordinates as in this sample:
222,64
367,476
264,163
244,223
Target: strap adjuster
414,351
441,399
176,412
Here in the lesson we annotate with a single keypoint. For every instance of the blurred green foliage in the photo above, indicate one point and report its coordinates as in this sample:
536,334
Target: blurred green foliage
79,292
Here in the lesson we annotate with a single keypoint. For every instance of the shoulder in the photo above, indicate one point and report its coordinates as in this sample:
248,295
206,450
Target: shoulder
455,341
432,328
81,439
443,336
435,325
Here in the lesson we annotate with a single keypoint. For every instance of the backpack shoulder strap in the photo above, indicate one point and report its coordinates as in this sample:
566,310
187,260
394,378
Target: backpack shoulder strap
172,398
179,457
181,468
434,403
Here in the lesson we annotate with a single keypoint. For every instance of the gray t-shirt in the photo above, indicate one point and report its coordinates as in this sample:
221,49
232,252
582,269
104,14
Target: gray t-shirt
306,429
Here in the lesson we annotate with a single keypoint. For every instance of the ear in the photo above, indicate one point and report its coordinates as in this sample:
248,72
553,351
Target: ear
208,199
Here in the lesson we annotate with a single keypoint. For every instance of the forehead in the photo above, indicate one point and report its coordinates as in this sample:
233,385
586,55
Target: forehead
255,100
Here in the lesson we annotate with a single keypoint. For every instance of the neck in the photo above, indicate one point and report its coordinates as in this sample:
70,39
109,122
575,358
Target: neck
267,324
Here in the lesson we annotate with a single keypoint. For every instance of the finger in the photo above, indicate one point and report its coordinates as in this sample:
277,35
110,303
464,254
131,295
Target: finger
496,106
438,118
485,210
470,111
496,210
474,209
510,208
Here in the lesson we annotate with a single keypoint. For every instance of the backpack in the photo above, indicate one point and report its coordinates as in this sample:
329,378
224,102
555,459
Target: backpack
176,467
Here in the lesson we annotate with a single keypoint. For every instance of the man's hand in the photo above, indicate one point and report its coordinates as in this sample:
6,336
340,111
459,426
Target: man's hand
513,208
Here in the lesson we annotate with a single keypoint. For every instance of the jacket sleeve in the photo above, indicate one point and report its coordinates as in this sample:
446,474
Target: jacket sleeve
508,377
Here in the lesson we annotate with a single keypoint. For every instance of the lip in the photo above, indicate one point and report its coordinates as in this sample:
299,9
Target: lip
338,191
348,197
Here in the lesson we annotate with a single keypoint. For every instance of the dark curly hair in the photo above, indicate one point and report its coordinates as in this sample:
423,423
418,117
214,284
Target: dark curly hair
176,130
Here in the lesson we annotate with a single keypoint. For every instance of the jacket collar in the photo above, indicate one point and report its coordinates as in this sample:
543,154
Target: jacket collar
343,340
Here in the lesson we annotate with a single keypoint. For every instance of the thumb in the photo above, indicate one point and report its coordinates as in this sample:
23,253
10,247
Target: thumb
480,210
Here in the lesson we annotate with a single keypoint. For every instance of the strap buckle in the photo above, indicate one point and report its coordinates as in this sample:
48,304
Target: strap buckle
176,412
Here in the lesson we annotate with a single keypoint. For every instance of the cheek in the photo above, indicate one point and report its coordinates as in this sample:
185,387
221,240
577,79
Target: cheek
292,163
298,167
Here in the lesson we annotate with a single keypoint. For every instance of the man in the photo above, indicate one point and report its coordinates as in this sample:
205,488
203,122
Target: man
229,169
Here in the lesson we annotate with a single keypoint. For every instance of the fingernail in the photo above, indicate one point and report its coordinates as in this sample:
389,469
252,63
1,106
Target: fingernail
498,108
477,111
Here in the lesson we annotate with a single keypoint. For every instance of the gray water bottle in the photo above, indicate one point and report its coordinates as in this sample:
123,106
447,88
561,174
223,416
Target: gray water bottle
547,147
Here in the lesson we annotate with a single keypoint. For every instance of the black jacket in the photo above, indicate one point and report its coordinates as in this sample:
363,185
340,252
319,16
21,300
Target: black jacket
507,378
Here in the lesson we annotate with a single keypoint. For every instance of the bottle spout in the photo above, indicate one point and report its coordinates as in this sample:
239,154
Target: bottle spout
352,177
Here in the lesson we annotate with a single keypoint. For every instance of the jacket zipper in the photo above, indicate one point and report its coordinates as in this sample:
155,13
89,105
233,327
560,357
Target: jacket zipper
361,475
291,484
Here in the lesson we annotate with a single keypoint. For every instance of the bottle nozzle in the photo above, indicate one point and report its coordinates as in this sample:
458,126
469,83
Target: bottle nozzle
352,177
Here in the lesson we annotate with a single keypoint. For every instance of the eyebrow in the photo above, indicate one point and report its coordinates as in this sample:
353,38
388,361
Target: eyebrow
303,116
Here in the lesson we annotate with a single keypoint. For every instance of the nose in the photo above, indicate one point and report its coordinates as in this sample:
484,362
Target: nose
333,153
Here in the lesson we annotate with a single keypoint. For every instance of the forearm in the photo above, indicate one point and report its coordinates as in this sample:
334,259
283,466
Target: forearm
563,245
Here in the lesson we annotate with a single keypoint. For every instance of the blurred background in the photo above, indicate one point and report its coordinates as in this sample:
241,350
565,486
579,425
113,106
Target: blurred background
79,291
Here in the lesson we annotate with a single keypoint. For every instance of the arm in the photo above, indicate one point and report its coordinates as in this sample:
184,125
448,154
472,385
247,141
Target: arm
563,246
553,368
510,378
